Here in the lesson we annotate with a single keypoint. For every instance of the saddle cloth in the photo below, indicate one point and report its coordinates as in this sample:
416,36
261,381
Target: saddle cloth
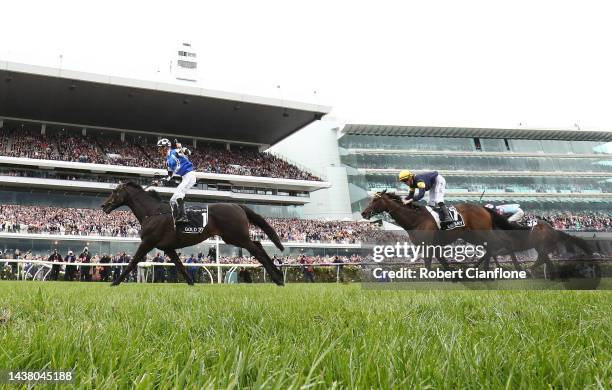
198,218
455,215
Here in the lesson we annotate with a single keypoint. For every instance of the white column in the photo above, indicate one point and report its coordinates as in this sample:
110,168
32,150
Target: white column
1,123
84,131
219,278
123,136
43,128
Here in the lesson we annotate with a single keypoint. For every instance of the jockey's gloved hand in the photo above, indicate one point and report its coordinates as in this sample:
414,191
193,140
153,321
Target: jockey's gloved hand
408,201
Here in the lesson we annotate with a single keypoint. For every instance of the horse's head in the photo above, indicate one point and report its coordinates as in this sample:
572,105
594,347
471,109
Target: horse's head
117,198
377,205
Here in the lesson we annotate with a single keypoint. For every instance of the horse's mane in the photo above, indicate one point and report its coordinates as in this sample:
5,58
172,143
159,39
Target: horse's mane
152,193
394,196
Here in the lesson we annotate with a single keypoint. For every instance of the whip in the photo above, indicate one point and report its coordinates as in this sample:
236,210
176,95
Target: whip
481,195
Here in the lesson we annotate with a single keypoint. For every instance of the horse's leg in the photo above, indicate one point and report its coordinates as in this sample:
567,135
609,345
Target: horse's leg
550,264
484,261
479,262
537,263
256,249
427,261
174,257
515,261
442,260
141,252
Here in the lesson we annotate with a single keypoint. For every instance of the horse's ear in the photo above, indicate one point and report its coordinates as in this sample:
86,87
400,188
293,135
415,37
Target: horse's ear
384,191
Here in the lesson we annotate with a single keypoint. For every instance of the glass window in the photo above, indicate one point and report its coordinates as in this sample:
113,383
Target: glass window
492,145
525,145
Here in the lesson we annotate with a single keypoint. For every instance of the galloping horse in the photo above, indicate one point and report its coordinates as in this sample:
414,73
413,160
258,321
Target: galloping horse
479,223
229,221
544,239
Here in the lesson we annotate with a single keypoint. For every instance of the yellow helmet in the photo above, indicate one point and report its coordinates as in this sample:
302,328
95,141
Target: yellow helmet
405,174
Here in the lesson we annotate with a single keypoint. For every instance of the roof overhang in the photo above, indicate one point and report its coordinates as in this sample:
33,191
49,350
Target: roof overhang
45,94
469,132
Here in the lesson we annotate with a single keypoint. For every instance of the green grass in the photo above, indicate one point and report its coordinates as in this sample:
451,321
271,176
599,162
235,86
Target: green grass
321,336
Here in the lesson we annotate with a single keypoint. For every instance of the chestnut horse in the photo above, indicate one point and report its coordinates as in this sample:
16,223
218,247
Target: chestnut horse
480,224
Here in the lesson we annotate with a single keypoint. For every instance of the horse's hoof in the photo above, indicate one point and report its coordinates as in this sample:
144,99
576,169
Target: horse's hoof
113,284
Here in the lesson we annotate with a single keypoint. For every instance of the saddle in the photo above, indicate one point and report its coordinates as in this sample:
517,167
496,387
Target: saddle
457,218
198,218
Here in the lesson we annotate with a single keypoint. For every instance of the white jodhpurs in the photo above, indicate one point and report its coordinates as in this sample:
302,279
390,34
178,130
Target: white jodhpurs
188,181
436,192
517,217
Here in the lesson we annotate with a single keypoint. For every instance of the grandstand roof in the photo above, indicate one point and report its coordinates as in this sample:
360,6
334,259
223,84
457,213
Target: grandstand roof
55,95
465,132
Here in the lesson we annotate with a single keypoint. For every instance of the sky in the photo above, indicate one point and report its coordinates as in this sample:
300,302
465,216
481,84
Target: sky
487,63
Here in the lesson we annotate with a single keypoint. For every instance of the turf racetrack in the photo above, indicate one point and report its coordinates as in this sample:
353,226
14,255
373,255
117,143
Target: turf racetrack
319,335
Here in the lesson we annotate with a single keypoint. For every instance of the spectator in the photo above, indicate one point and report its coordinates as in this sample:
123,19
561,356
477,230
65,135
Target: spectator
70,269
307,268
85,258
159,271
192,271
55,269
105,271
339,268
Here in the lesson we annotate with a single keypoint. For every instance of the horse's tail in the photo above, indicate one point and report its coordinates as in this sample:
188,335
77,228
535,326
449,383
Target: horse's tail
260,222
577,241
502,223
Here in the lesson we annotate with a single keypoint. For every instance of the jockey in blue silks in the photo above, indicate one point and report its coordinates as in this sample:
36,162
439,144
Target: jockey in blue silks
426,181
179,165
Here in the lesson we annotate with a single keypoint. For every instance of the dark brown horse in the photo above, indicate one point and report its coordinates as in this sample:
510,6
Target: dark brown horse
229,221
421,225
481,225
545,240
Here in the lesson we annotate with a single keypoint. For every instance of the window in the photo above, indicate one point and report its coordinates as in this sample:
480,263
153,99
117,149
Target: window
187,64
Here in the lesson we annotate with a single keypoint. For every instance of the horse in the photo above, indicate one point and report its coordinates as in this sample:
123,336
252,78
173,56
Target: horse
227,220
480,224
544,239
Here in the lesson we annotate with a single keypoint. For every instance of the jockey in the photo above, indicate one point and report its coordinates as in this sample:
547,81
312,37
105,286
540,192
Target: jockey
426,181
179,165
512,212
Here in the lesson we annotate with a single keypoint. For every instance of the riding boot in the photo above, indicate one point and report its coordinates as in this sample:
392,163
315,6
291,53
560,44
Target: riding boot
182,217
175,210
446,217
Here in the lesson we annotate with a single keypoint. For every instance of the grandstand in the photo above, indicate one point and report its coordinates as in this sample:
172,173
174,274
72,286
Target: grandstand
67,138
562,174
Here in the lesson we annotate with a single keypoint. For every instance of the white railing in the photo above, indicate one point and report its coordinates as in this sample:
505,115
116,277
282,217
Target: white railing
43,272
215,240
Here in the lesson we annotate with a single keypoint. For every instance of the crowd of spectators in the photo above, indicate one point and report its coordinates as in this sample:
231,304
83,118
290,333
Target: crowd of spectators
317,230
67,221
88,222
27,219
587,221
140,151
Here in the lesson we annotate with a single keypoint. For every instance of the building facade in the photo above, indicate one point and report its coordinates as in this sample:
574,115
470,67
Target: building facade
543,170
